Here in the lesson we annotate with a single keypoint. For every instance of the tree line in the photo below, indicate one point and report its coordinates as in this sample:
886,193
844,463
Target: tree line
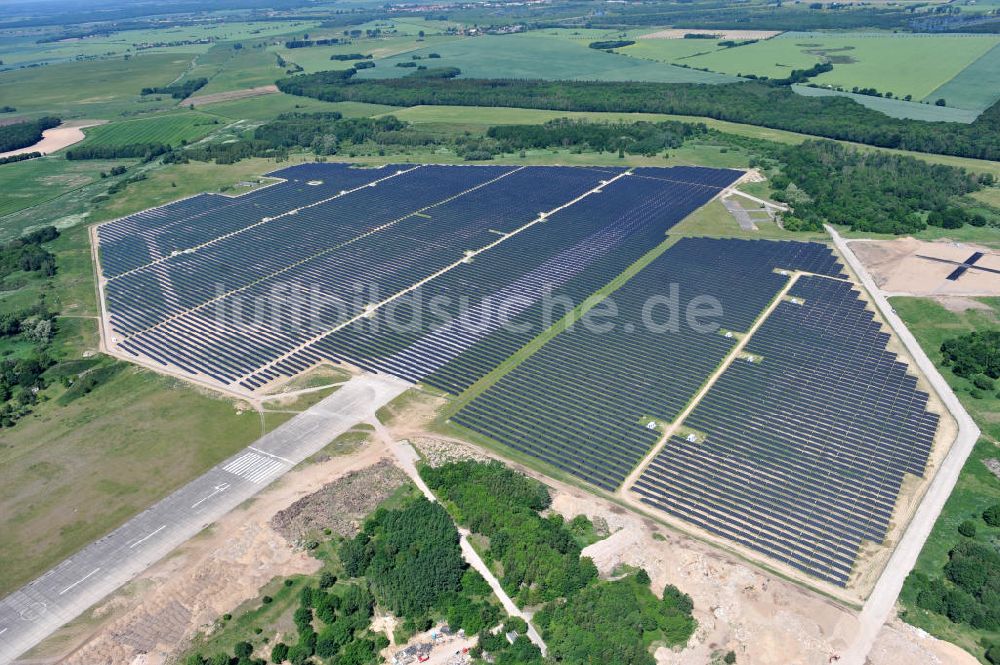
868,190
750,102
181,90
145,151
23,134
640,138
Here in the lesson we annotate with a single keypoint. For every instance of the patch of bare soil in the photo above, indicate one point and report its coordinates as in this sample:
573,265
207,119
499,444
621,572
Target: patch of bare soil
907,266
763,619
993,464
902,644
57,138
438,451
153,618
340,506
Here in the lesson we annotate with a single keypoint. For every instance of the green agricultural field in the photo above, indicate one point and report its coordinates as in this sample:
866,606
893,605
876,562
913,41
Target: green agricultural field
902,64
975,87
100,89
540,55
897,108
266,107
170,129
15,50
317,58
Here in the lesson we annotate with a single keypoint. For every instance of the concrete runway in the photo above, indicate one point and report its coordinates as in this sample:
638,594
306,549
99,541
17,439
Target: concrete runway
36,610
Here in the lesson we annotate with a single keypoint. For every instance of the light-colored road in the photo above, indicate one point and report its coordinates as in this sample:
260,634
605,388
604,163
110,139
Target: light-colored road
33,612
407,458
879,606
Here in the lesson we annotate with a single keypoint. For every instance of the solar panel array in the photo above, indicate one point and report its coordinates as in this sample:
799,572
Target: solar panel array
805,452
579,402
566,258
244,290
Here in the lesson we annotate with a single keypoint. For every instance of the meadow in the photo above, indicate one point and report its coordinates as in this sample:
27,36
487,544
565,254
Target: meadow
977,487
99,89
480,116
29,183
545,55
266,107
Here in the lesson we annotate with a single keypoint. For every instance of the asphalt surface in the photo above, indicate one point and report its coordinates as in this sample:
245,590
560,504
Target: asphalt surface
879,605
36,610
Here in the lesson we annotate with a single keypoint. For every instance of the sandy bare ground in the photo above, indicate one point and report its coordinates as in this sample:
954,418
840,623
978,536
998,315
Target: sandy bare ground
57,138
155,616
678,33
897,268
229,96
765,619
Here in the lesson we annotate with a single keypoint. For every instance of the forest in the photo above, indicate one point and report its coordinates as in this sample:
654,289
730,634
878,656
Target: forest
539,555
23,134
752,102
969,592
433,580
583,619
868,190
21,377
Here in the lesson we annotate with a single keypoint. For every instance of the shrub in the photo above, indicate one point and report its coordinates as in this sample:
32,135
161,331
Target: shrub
279,653
967,529
992,515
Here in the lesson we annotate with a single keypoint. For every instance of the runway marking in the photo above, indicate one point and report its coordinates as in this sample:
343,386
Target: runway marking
255,467
139,542
79,581
278,457
219,489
